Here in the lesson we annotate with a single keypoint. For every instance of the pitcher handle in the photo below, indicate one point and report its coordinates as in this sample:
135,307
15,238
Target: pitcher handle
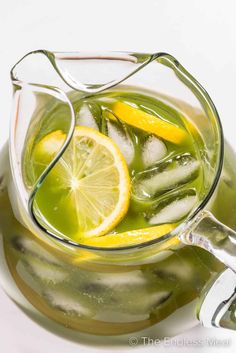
218,304
210,234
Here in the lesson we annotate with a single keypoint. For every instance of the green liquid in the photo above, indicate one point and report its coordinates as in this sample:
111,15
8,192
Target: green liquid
142,210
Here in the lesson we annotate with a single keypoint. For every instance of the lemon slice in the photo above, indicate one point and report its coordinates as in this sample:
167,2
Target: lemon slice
131,237
87,192
150,123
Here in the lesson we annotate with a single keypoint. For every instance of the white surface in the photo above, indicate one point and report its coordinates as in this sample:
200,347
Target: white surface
201,34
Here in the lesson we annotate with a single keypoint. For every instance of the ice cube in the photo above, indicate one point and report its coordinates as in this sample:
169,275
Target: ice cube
173,208
165,176
118,134
153,151
86,118
121,288
67,301
44,271
134,278
176,269
31,247
129,310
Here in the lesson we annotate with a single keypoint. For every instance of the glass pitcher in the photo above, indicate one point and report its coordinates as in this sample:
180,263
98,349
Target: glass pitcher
157,288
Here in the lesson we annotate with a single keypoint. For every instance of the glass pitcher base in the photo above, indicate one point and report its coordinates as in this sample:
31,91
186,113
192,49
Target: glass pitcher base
83,298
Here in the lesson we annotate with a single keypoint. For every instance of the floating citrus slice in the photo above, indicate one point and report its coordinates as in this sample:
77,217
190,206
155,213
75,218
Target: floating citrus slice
131,237
87,192
150,123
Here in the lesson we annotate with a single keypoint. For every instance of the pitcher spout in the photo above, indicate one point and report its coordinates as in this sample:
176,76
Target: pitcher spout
85,72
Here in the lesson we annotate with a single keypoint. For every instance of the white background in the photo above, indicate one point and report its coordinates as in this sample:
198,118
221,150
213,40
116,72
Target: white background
201,34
